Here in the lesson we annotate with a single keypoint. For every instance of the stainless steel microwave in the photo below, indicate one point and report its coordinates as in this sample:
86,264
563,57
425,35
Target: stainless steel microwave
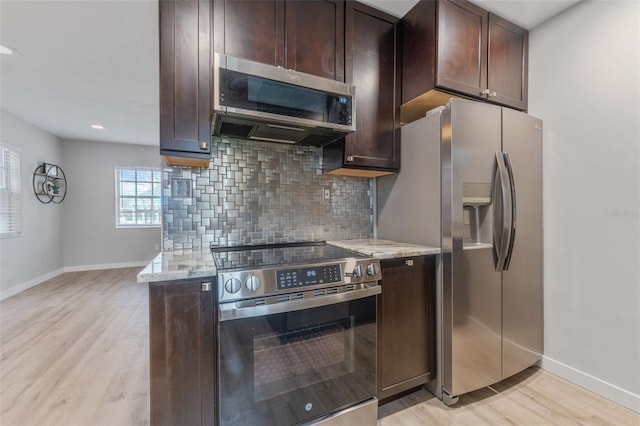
263,102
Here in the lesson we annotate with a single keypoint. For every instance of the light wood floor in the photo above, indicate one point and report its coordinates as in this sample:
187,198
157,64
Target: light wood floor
533,397
74,352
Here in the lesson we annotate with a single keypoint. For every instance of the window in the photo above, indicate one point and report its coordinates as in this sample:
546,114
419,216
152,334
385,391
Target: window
138,197
10,202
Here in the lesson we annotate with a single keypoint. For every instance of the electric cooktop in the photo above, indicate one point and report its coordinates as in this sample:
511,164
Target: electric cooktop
273,255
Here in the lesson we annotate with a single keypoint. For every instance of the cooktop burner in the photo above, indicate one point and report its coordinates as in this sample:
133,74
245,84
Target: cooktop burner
270,255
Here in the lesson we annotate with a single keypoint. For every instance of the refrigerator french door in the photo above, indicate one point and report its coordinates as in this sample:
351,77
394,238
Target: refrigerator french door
482,165
522,296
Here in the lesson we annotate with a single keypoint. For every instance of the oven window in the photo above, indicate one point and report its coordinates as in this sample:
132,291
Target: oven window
289,368
285,362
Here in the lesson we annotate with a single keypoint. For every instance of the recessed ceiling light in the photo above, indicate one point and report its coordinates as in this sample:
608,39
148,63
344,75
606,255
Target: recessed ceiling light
97,126
6,50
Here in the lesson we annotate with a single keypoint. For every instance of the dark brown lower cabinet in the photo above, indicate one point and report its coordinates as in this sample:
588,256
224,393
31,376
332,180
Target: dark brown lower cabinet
406,325
182,352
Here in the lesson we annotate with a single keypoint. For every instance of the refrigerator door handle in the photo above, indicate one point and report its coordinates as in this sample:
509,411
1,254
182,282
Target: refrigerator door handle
497,216
512,227
502,217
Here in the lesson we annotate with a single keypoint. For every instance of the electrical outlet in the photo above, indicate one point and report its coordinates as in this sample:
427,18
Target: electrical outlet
156,247
326,193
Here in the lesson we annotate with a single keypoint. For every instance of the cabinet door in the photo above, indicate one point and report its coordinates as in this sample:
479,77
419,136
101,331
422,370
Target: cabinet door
250,29
406,324
371,65
418,51
508,63
185,78
462,47
182,348
315,37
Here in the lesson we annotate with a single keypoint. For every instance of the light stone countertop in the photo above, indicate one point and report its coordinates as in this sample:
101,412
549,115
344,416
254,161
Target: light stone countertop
179,265
385,249
197,263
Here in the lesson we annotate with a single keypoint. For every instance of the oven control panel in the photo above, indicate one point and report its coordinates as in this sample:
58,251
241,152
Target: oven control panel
302,277
256,283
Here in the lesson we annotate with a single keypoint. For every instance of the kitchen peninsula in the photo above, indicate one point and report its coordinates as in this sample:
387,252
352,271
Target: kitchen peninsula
183,325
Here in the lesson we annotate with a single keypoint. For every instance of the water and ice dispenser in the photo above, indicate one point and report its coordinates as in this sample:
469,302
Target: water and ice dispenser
477,219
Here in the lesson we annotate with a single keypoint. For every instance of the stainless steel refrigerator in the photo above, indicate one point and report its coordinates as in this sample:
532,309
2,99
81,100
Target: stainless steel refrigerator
471,183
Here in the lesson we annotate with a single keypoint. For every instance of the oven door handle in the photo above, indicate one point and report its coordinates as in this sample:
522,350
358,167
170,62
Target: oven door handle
231,311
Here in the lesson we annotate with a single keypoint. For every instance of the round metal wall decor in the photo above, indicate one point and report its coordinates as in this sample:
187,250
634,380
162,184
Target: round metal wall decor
49,183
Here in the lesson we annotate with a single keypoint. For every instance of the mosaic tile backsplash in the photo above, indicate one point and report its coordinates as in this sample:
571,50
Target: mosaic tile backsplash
261,193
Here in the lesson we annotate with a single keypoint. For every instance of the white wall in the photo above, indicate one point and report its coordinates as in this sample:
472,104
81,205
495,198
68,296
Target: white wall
91,239
36,255
584,82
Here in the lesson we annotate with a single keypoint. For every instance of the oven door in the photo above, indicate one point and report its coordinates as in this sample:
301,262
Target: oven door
292,367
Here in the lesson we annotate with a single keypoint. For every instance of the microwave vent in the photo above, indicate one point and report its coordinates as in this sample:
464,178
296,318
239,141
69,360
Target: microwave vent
235,130
248,128
277,133
319,139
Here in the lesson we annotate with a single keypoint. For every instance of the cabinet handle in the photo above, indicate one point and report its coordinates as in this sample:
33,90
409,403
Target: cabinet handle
350,159
206,286
409,262
204,145
488,93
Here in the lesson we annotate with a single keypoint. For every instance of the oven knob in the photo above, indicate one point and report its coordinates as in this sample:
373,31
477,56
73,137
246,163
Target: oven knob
371,269
252,283
232,285
357,271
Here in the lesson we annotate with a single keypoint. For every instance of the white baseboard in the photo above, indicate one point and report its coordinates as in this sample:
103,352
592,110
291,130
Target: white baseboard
39,280
607,390
105,266
28,284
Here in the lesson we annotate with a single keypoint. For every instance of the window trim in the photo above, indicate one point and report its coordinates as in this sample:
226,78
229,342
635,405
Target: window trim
17,232
118,197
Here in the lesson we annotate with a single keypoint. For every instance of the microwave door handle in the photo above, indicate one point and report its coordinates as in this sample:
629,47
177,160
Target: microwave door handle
231,311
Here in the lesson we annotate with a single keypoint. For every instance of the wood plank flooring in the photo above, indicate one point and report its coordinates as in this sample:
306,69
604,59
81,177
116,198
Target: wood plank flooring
533,397
74,351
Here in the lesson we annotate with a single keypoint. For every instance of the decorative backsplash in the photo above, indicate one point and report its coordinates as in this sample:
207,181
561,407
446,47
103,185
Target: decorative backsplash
261,193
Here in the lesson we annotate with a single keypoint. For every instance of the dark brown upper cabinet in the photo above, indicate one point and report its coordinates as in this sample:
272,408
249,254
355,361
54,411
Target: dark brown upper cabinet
462,47
372,65
507,63
185,82
314,37
252,30
306,36
455,48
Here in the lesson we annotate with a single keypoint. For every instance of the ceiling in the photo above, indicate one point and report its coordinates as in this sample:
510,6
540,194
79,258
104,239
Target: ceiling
84,62
526,13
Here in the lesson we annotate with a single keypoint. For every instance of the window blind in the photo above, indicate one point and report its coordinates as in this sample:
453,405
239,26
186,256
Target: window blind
10,198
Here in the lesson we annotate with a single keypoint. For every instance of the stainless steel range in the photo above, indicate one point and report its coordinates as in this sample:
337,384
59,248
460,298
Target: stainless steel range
297,335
